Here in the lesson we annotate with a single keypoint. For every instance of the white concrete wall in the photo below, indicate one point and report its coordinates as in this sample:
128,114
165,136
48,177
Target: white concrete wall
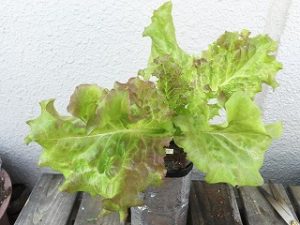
49,47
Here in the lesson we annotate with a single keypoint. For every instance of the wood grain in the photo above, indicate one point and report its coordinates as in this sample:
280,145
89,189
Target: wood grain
258,210
88,213
295,197
46,204
213,205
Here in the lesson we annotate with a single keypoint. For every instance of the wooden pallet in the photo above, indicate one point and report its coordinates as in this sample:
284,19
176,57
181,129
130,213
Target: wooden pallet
217,204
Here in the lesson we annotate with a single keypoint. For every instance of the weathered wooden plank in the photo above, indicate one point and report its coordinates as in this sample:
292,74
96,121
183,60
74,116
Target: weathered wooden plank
195,216
47,205
88,213
258,210
213,205
295,197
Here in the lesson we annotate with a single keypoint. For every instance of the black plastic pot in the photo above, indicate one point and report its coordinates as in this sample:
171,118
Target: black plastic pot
167,204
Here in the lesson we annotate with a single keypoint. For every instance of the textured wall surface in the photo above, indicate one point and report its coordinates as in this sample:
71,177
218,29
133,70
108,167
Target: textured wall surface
283,159
49,47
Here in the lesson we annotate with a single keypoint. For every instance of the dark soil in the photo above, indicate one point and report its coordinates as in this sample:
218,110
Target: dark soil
3,193
177,160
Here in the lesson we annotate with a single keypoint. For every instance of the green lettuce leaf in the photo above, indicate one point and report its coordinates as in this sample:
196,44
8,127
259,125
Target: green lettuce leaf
174,68
238,62
111,145
232,152
162,33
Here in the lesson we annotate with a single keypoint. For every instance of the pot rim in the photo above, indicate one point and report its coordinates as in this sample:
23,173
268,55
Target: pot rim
181,172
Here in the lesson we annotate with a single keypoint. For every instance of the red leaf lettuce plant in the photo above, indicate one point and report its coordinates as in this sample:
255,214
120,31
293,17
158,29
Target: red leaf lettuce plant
112,144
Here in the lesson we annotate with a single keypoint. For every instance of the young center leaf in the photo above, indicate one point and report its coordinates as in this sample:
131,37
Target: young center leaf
111,145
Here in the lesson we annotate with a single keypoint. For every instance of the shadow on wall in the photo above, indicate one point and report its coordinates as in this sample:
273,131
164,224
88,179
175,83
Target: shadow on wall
8,164
15,167
282,174
282,166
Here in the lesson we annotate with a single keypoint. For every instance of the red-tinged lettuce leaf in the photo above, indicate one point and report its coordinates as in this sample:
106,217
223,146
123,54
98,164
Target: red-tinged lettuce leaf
111,145
232,152
238,62
84,101
177,90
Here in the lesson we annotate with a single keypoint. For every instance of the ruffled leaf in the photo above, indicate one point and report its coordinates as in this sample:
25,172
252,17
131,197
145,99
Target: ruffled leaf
238,62
232,152
111,146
